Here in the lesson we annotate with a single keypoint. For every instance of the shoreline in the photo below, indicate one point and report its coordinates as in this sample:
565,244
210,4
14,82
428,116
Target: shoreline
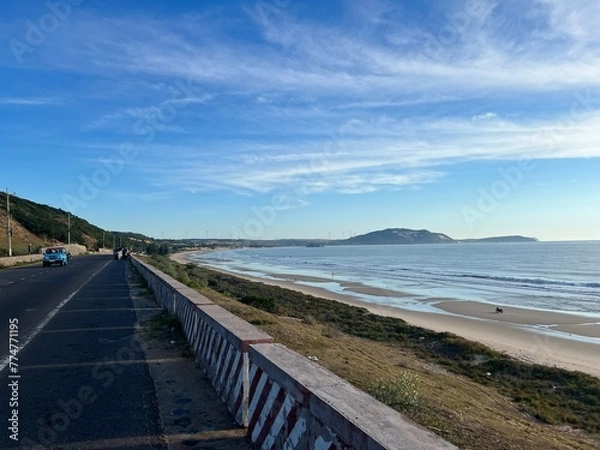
526,334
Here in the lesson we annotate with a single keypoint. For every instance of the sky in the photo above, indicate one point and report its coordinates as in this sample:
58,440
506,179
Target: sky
305,119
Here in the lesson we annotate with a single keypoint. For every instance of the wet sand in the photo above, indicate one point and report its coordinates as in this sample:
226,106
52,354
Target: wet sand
520,332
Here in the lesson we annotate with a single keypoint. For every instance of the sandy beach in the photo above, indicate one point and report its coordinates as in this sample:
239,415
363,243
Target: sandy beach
520,332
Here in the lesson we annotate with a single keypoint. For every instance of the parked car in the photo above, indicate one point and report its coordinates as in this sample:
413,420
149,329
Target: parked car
55,255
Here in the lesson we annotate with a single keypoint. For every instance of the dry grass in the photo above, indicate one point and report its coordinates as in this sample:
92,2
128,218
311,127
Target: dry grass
469,414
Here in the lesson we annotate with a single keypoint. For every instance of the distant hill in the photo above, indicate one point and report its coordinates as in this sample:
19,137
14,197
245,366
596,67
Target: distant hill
515,238
41,225
391,236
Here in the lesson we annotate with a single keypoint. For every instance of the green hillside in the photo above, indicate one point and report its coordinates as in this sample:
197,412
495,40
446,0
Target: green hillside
42,225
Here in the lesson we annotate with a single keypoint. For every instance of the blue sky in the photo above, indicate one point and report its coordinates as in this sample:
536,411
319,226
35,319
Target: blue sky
287,118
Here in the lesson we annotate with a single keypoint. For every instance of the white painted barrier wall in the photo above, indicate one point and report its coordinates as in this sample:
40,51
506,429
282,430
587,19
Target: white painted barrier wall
220,339
14,260
285,400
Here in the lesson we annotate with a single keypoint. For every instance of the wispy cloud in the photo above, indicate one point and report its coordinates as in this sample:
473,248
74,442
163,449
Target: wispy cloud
315,59
31,101
374,100
375,156
577,19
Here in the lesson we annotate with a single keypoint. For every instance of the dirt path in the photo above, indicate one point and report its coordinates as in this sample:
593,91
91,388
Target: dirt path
192,415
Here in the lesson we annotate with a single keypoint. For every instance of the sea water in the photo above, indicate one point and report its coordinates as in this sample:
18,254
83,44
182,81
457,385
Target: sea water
556,276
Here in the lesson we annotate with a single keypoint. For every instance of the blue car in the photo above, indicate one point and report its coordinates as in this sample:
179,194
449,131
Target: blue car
55,255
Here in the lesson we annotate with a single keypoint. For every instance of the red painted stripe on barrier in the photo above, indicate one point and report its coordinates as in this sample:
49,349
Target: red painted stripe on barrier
264,420
205,347
225,367
233,387
203,338
210,344
259,398
255,374
288,426
228,366
237,376
219,353
196,326
197,342
210,348
193,331
296,434
271,415
218,380
187,326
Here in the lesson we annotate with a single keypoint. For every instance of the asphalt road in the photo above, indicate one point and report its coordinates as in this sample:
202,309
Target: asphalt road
81,380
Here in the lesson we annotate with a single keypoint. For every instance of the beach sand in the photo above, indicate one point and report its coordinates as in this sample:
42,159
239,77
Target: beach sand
519,332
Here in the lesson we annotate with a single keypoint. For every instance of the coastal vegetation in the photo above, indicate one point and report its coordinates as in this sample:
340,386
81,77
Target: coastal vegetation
473,396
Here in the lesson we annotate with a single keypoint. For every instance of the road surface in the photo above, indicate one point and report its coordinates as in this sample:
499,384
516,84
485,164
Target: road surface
81,378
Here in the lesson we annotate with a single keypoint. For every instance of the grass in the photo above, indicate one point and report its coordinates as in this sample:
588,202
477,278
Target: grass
466,392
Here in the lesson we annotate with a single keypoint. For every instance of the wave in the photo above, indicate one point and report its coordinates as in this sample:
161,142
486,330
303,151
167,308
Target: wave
534,281
540,281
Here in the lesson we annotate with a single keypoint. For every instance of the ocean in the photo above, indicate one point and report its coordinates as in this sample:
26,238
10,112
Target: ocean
551,276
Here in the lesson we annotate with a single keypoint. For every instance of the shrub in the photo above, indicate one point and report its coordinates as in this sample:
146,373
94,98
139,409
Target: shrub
265,304
309,320
400,393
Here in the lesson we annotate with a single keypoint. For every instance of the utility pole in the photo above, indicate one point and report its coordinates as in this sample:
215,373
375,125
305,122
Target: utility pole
8,227
103,239
69,229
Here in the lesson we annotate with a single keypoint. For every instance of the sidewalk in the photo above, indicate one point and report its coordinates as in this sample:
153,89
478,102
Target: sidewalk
187,422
